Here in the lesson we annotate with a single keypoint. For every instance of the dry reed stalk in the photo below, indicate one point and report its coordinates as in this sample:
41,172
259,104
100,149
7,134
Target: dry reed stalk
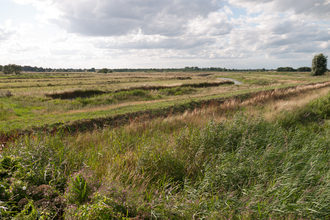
200,116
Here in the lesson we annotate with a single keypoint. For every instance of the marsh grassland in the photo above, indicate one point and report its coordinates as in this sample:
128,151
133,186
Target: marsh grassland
165,146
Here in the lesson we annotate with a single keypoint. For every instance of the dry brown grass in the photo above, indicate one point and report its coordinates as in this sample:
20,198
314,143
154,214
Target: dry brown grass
267,104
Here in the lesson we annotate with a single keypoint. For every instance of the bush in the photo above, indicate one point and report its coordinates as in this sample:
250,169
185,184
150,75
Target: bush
319,65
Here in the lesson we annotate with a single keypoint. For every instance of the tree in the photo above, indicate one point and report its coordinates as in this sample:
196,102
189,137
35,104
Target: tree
12,68
105,70
0,68
91,70
319,65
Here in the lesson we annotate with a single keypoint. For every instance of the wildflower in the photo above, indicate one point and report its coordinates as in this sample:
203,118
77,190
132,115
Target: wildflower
24,187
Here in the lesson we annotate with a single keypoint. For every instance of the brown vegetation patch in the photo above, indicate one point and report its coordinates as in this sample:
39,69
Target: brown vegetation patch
75,94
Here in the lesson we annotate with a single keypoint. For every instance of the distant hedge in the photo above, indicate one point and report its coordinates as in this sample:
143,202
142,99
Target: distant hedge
290,69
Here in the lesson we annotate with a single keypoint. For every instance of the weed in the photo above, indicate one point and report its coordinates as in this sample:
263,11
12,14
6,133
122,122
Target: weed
81,187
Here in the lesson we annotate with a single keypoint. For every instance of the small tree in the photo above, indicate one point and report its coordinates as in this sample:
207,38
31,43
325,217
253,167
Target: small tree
6,69
17,69
12,68
319,65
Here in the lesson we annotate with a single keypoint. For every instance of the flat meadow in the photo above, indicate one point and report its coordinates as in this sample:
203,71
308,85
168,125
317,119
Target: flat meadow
164,145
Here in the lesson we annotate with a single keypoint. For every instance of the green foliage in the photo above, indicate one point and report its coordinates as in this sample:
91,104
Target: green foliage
104,70
304,69
5,113
12,68
95,211
112,201
177,91
33,181
241,168
319,65
30,212
315,112
285,69
133,94
81,187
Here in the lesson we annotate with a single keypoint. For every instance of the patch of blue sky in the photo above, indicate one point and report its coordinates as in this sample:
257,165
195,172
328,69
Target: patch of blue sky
255,14
322,24
17,13
240,11
237,12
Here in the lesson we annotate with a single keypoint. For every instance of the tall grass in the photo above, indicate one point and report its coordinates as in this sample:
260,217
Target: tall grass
242,168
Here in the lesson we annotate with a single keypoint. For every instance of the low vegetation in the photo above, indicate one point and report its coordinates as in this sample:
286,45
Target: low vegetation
202,159
243,167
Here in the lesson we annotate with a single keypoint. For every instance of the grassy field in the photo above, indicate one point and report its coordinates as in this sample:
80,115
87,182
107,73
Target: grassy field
188,149
50,99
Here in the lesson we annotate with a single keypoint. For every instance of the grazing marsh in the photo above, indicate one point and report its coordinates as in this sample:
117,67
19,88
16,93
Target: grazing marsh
258,150
47,99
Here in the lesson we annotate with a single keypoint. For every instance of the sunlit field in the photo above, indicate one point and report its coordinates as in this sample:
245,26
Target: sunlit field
163,145
39,100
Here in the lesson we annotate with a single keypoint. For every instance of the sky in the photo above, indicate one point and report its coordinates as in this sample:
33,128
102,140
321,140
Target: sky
239,34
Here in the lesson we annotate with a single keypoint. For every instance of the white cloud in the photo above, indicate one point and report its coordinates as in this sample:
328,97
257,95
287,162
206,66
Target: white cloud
114,32
7,31
120,17
216,23
315,9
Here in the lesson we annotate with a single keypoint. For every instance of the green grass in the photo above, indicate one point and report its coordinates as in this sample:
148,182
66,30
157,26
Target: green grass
38,112
241,168
244,168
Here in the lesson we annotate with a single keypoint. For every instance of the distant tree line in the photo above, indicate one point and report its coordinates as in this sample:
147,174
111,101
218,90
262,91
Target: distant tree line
190,69
290,69
106,70
61,70
42,70
319,67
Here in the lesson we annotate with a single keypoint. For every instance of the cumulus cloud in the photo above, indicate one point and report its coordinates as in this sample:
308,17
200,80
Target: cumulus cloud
6,31
316,9
157,42
279,36
151,30
121,17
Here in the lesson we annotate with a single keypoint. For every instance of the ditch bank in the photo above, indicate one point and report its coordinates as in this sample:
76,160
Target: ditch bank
90,93
149,114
